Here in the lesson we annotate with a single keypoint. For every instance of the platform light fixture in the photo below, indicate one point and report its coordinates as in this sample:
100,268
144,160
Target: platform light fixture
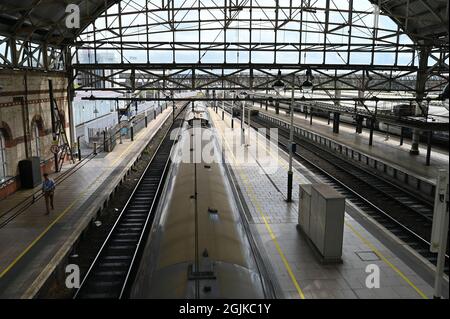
279,85
233,95
307,86
169,94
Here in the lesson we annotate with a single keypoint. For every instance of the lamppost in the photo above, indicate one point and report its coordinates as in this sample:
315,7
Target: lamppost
243,95
279,86
173,106
223,105
233,92
249,121
169,95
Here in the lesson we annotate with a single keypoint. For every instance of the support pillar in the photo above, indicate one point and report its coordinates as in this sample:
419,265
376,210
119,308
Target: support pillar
336,121
79,148
422,75
173,111
105,146
430,136
402,135
289,186
70,96
372,123
359,124
53,120
415,143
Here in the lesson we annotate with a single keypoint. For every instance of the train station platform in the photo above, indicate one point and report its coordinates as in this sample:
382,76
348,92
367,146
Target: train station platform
388,151
273,221
32,244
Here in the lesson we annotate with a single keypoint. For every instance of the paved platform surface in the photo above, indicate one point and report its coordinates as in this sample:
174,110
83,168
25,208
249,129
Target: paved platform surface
29,243
388,151
299,273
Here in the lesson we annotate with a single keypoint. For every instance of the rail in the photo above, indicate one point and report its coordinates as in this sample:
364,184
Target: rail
112,269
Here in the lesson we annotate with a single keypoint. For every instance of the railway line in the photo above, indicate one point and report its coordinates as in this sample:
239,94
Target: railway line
112,269
199,246
401,213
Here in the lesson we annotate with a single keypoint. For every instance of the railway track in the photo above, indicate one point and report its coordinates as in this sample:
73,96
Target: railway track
401,213
112,268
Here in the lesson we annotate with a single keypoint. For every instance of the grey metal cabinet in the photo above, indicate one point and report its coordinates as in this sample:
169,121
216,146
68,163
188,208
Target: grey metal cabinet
327,221
304,207
321,218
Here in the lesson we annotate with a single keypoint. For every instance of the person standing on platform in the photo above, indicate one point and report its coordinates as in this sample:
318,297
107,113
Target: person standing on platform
48,188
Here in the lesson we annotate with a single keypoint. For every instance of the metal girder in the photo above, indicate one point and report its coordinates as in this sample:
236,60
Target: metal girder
411,122
43,20
247,77
344,46
30,55
348,48
236,66
424,21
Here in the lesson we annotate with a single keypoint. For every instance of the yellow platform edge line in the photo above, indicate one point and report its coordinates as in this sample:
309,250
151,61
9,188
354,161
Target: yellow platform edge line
60,216
268,228
366,242
383,258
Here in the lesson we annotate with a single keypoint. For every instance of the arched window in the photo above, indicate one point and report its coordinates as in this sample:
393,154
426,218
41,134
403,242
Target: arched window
35,140
2,157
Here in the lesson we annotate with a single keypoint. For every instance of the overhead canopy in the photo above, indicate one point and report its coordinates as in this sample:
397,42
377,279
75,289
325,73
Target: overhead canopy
44,20
424,21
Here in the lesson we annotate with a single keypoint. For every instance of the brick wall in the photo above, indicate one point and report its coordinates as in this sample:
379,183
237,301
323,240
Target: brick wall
13,99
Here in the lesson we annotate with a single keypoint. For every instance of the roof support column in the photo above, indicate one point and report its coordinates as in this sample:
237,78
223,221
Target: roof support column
45,56
14,53
70,95
422,75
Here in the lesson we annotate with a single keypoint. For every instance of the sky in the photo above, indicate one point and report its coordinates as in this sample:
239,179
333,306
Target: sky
262,34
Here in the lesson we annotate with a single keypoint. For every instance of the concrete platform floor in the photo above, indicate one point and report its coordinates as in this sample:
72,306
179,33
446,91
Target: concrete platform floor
32,244
292,262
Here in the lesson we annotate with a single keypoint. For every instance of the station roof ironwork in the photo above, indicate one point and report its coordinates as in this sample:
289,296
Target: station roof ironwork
43,20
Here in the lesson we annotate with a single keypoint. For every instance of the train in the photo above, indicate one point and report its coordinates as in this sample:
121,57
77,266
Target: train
198,246
438,138
237,110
